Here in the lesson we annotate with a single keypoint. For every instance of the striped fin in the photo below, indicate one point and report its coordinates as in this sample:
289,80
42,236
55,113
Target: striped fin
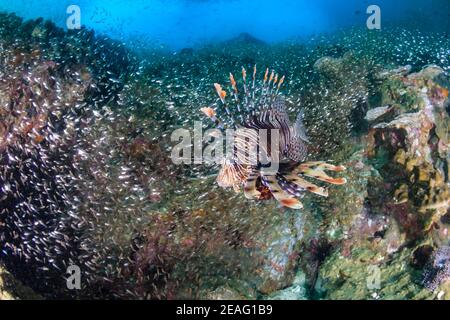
236,97
291,188
316,170
331,167
322,165
297,150
302,183
250,191
279,110
272,75
222,95
233,83
279,194
266,76
254,77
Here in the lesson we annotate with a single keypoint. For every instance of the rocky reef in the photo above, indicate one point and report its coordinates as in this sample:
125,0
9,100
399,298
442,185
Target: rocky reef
12,289
400,199
86,177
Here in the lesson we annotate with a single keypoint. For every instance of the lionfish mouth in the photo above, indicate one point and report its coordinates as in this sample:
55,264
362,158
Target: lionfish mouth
260,106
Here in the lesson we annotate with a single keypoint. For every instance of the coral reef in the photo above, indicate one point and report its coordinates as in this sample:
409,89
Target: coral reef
382,236
406,197
416,155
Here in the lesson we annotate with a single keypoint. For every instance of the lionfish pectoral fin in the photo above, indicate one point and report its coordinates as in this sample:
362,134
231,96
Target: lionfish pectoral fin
316,170
297,150
321,165
299,129
322,176
250,190
302,183
292,203
330,167
280,195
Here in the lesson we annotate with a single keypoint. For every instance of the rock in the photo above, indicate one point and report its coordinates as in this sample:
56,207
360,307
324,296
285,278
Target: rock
427,73
399,191
364,275
329,66
338,102
377,113
280,252
397,72
228,293
417,142
296,291
187,51
12,289
245,38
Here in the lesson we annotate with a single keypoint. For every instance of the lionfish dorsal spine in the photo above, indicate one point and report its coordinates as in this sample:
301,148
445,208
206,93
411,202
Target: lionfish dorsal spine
236,97
246,94
222,96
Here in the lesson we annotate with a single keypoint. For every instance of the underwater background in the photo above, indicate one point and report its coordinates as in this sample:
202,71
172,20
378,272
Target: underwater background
87,179
177,24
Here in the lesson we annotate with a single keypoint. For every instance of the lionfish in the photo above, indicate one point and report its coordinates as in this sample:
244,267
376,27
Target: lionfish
262,106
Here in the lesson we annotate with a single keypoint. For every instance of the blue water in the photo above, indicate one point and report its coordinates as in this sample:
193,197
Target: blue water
185,23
